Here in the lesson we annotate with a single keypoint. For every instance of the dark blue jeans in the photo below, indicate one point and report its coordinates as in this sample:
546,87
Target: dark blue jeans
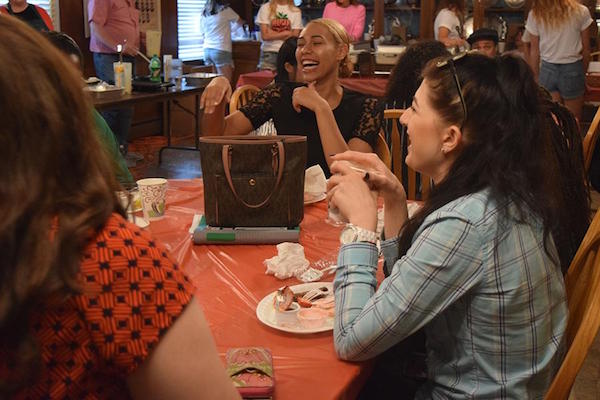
118,119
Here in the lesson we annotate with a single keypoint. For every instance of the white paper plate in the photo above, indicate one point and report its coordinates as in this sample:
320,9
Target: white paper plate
266,312
310,198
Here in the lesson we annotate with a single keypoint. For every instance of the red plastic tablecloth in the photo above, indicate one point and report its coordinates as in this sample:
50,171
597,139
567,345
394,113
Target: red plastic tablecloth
371,86
231,280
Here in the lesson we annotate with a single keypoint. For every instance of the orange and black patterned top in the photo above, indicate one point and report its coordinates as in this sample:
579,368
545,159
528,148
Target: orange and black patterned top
131,294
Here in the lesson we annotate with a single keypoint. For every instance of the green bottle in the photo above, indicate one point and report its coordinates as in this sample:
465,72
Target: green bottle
154,68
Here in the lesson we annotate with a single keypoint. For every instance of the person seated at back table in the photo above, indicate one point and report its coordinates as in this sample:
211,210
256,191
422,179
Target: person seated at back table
287,71
332,118
477,266
91,306
484,40
287,65
67,45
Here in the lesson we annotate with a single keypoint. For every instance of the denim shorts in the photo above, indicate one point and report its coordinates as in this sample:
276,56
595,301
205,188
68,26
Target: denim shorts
219,58
268,60
566,79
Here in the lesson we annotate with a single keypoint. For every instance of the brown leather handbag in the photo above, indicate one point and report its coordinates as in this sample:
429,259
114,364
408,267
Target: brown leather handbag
253,181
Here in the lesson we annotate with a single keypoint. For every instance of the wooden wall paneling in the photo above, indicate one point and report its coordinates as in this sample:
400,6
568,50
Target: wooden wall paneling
478,14
426,19
245,57
169,41
379,16
71,23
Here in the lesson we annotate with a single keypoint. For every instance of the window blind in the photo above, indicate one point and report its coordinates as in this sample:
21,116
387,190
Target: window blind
51,7
188,29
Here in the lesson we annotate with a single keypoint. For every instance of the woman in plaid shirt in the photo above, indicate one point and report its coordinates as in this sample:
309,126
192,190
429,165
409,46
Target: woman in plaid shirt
479,266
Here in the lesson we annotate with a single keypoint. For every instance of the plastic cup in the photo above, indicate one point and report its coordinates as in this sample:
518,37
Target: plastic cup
127,78
167,62
122,71
176,72
119,74
152,194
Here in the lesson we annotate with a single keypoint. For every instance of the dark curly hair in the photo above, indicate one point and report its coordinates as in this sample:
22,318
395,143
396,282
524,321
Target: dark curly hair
517,144
406,78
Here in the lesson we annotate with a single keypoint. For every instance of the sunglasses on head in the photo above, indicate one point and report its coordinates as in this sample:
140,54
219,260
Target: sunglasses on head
450,62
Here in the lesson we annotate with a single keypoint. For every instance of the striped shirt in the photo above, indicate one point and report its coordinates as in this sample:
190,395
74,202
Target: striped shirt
491,300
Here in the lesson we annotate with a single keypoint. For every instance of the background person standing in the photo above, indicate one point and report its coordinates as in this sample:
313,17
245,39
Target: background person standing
215,28
350,14
32,15
278,20
114,22
559,34
448,26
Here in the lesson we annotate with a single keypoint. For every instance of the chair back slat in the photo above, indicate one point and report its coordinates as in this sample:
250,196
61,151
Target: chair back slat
241,96
399,167
589,141
582,284
383,151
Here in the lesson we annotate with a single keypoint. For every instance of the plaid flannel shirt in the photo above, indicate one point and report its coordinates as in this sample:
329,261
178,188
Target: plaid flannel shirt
494,319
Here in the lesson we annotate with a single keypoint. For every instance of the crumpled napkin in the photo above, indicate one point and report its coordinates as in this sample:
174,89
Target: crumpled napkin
288,262
314,180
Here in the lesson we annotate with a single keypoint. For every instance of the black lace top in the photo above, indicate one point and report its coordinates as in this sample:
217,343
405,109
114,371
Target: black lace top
357,116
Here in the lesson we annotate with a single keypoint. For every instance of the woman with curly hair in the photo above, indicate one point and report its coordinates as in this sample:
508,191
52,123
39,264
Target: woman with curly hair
559,36
406,78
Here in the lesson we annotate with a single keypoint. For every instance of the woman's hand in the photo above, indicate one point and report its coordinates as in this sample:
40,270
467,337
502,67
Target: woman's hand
214,93
350,193
380,179
308,97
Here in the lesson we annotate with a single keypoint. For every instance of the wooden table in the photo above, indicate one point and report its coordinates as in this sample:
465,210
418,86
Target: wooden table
167,97
231,280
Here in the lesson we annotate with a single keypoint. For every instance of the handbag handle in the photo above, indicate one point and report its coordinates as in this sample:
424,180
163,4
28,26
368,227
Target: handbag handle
227,167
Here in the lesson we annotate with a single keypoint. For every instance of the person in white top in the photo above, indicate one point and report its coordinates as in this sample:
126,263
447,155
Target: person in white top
448,25
278,20
559,33
215,29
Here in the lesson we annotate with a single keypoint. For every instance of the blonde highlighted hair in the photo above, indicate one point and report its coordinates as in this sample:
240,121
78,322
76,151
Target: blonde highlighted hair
553,13
273,7
341,38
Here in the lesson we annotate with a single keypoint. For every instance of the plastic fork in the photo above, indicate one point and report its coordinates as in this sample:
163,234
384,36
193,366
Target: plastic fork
314,293
312,274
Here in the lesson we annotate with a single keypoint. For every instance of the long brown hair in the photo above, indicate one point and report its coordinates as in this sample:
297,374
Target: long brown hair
517,145
57,188
552,13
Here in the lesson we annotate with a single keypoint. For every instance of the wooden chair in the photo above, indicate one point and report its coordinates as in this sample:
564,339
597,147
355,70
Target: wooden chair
383,151
589,141
583,296
241,96
398,140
